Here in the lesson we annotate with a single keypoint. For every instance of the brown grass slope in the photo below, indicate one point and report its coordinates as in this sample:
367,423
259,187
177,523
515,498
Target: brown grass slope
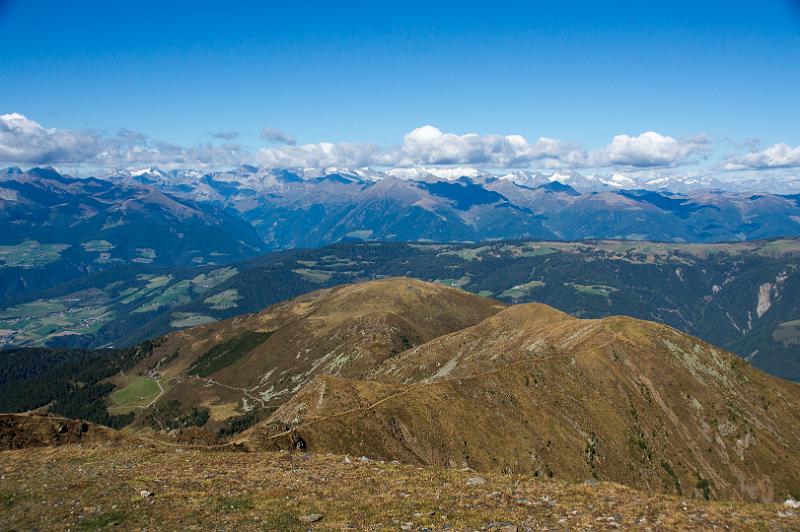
39,429
142,487
346,331
533,390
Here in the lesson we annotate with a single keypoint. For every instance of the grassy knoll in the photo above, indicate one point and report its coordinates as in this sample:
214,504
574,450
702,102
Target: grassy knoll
189,319
521,290
223,300
136,392
594,289
315,276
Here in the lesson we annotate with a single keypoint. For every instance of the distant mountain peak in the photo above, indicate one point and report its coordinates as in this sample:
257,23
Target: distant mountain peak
559,187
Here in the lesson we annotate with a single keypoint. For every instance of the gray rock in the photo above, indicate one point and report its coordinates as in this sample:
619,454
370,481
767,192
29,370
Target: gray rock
476,481
310,518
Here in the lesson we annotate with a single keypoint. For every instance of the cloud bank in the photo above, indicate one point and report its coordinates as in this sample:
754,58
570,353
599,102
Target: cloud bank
24,141
321,155
430,146
650,149
778,156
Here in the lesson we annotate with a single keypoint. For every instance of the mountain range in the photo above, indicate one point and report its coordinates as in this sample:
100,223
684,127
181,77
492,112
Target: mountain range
426,374
295,208
57,227
244,211
464,320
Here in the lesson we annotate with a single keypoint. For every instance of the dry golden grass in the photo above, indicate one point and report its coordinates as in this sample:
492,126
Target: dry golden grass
533,390
347,330
157,487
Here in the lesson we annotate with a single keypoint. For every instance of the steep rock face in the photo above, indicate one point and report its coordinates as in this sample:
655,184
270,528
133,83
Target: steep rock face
533,390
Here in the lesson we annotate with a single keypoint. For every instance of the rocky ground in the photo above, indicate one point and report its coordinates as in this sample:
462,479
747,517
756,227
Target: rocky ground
153,486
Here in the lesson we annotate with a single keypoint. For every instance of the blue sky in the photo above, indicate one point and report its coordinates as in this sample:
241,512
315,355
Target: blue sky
371,72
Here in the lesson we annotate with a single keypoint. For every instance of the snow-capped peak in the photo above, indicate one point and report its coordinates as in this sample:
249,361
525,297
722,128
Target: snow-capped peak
423,173
149,171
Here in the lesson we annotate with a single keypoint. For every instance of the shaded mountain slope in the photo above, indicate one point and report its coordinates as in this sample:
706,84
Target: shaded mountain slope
55,228
534,390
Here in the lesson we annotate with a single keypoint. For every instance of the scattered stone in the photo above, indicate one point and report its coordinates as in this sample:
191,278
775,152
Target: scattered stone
591,482
476,481
310,518
363,459
791,503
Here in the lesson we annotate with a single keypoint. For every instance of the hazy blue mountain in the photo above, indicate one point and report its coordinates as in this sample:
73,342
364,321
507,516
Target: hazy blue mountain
56,227
295,208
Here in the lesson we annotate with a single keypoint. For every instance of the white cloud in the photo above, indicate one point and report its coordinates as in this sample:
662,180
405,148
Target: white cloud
24,141
650,149
321,155
778,156
429,145
649,155
278,136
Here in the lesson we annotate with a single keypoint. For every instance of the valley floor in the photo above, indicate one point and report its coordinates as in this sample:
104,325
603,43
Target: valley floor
155,487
